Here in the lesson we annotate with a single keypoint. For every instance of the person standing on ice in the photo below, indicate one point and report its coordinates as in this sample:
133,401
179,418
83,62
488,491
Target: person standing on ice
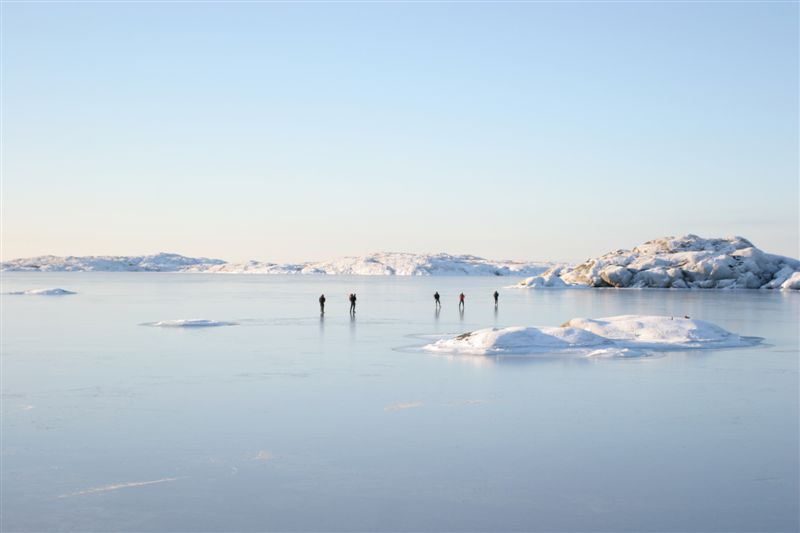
496,297
461,301
353,304
436,299
322,304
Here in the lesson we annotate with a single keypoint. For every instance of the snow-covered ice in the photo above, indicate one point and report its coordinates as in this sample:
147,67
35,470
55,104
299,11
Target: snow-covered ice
44,292
679,263
190,323
617,336
377,264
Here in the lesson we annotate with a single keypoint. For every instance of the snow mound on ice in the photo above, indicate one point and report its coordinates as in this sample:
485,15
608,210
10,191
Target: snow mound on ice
190,323
659,331
688,262
44,292
517,340
617,336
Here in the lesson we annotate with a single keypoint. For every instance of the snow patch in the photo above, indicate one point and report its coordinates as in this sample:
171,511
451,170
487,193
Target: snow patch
190,323
44,292
617,336
118,486
402,406
263,455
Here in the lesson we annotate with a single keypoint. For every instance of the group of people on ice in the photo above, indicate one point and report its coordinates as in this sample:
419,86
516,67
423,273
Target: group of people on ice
436,298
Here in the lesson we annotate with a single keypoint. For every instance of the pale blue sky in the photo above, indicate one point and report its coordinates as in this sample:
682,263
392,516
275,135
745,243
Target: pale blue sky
288,132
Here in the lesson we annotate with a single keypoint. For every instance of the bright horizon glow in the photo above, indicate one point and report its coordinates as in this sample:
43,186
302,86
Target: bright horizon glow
291,132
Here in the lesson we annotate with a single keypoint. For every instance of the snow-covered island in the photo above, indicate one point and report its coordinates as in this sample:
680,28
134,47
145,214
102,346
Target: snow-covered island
162,262
688,262
617,336
377,264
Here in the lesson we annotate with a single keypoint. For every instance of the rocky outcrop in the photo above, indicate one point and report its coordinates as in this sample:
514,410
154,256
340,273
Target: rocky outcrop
688,262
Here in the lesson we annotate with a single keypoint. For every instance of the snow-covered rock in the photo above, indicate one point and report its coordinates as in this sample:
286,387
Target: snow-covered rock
679,263
793,283
549,279
162,262
617,336
378,264
407,264
44,292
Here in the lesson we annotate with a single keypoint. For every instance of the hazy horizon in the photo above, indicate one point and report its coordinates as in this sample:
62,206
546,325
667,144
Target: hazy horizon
295,132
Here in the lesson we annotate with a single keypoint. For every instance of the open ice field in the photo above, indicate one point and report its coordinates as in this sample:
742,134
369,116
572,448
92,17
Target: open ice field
286,421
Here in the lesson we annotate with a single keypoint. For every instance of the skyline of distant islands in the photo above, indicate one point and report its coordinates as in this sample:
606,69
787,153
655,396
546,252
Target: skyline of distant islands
683,262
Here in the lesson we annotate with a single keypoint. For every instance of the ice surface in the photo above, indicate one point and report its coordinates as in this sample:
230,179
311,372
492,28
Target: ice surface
679,263
377,264
623,336
190,323
44,292
292,421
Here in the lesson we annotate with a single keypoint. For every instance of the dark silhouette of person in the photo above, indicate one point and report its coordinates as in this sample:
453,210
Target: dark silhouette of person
496,297
322,304
461,301
436,299
353,304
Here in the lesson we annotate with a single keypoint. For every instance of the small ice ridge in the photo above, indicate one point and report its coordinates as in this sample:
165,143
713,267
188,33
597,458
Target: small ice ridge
190,323
617,336
43,292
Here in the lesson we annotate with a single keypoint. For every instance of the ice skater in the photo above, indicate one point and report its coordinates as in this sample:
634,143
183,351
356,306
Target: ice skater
436,299
322,304
353,304
496,297
461,301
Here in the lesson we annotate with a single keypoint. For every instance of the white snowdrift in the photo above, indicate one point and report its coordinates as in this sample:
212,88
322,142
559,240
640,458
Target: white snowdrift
688,262
44,292
378,264
617,336
190,323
